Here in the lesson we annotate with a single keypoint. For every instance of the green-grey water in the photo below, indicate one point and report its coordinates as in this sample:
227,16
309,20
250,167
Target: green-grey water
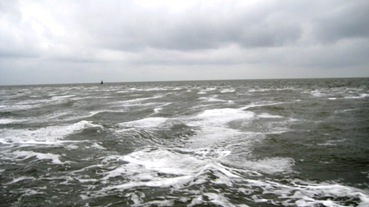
196,143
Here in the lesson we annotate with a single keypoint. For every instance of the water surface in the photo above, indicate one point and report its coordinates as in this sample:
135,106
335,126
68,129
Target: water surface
197,143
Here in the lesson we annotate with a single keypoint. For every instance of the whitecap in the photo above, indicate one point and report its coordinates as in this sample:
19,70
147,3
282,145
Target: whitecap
9,121
18,179
269,116
166,168
51,135
212,99
271,165
98,146
22,155
58,98
150,122
363,95
228,90
222,116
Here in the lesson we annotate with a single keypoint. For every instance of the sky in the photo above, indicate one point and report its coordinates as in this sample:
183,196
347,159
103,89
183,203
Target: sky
52,41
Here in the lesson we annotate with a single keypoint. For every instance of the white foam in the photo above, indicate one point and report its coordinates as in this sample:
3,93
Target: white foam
150,122
219,200
47,135
175,182
332,142
22,155
8,121
204,91
71,147
317,93
261,90
97,146
213,126
58,98
212,136
155,89
136,101
164,161
160,203
158,109
222,116
146,167
124,91
196,201
360,96
272,165
211,99
269,116
302,193
228,90
26,105
211,89
15,180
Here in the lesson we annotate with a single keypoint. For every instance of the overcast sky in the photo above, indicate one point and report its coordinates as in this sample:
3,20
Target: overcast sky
53,41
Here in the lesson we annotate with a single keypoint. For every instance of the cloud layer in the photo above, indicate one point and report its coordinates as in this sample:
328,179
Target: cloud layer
140,40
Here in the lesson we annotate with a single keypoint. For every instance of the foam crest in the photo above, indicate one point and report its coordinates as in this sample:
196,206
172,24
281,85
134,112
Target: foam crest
163,161
212,135
268,165
214,128
138,101
269,116
211,99
317,93
220,200
19,179
58,98
360,96
222,116
167,168
9,121
150,122
204,91
23,155
228,90
178,170
47,135
301,193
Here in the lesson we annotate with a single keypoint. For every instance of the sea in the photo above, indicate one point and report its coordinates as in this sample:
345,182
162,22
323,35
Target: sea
231,143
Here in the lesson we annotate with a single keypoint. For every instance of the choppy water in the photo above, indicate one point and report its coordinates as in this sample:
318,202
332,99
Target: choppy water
204,143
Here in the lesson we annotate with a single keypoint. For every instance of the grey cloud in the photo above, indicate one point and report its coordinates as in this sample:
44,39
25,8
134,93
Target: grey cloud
14,42
346,21
12,46
194,29
116,35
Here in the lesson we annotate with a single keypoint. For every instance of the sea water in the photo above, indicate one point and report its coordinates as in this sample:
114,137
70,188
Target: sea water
195,143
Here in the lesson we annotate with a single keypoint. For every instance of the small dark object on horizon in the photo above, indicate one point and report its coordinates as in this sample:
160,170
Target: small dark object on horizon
102,82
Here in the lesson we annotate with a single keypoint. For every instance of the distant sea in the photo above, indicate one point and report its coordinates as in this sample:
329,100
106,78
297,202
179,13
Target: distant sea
192,143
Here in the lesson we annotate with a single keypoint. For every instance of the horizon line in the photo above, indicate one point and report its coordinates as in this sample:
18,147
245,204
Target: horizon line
156,81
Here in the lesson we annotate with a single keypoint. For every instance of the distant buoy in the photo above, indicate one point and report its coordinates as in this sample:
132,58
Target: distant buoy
102,82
